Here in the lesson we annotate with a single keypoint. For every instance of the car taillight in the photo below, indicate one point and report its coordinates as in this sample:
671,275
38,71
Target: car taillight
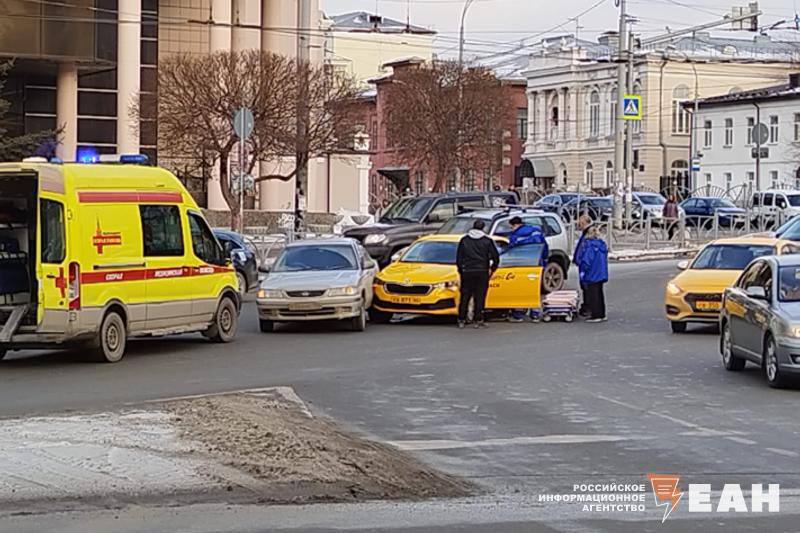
74,287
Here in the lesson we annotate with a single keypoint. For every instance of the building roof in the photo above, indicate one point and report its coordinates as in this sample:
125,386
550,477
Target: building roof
774,92
362,21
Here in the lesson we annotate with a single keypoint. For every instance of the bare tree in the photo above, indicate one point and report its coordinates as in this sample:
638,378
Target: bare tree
198,96
446,118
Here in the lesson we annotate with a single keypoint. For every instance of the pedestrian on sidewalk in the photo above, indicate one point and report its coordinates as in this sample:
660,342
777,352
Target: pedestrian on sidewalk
593,269
520,235
671,215
476,259
584,224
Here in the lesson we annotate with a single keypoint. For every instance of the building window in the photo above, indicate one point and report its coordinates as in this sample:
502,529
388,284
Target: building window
419,182
751,122
594,114
554,123
797,127
680,169
728,132
609,173
522,123
707,134
562,172
452,183
637,124
469,180
588,175
751,180
773,178
612,106
680,116
488,179
728,181
773,129
708,179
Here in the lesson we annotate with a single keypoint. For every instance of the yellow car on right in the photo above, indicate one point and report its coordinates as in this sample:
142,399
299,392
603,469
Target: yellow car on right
695,294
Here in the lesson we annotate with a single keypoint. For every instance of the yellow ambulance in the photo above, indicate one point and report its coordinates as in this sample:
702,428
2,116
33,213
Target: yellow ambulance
98,253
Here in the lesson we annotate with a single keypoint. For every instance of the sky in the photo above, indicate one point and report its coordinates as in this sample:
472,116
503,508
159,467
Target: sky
490,23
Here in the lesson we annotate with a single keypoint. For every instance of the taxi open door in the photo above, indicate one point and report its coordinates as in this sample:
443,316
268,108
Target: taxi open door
517,283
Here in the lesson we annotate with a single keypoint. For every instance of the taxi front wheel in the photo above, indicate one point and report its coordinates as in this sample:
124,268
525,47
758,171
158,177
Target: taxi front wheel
225,321
3,352
109,346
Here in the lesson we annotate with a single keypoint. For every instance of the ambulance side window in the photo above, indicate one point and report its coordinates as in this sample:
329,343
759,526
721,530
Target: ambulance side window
53,248
161,229
204,243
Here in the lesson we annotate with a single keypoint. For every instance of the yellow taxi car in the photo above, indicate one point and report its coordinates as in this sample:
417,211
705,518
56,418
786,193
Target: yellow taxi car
695,295
424,279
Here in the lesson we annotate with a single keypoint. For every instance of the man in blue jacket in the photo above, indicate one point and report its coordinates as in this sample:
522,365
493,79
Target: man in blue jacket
593,269
522,234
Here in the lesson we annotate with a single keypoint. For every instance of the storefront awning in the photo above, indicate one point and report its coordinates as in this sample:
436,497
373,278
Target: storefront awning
543,168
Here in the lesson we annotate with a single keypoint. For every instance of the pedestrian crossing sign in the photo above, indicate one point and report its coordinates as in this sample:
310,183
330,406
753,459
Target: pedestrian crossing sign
632,107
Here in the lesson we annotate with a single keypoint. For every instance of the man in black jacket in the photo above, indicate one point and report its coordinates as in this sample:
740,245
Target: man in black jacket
476,259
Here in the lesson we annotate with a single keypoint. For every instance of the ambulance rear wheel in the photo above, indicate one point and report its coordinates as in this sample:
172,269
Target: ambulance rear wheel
109,346
225,321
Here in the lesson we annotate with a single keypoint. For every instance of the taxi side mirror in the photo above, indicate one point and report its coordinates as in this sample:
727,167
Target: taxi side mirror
683,265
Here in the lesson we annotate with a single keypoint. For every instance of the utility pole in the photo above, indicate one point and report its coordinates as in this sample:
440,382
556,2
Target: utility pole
629,132
301,150
619,142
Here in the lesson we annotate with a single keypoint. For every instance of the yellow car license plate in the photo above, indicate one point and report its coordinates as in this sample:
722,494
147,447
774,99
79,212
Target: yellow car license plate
303,306
708,306
405,300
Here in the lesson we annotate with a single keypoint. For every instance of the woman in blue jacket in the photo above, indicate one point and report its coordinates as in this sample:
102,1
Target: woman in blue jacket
593,269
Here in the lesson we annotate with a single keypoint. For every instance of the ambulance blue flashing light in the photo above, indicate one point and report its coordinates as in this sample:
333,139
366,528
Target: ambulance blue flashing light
137,159
130,159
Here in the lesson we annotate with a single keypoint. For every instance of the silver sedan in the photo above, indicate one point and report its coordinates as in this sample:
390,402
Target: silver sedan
760,319
319,279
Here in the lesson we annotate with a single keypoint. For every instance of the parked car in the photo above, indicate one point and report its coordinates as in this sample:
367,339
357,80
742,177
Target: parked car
244,258
774,206
650,205
789,230
760,320
411,217
598,208
424,279
553,203
497,223
694,295
701,210
318,279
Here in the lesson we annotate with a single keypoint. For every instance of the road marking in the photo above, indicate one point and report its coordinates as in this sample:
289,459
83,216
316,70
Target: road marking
419,445
741,440
684,423
787,453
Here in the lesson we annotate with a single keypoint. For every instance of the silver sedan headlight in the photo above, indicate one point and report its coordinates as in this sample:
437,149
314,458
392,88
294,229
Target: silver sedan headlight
343,291
375,238
268,294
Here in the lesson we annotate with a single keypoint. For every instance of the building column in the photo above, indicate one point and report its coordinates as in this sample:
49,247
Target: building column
562,114
129,67
219,41
67,110
574,131
531,139
247,13
544,133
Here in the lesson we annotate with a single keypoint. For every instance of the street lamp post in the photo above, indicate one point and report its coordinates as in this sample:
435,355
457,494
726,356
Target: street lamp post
461,33
693,140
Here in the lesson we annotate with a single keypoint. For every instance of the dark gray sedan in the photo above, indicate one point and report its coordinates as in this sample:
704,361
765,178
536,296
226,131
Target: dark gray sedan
760,319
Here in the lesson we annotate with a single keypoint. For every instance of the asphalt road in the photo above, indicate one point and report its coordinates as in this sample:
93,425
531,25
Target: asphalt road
523,409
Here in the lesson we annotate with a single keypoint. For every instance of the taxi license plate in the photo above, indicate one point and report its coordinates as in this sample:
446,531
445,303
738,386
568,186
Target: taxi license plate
708,306
303,307
405,300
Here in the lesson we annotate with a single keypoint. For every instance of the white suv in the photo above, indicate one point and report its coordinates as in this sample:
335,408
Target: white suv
766,203
497,223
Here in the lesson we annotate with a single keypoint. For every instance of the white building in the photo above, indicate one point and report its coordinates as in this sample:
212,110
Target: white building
572,103
726,139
